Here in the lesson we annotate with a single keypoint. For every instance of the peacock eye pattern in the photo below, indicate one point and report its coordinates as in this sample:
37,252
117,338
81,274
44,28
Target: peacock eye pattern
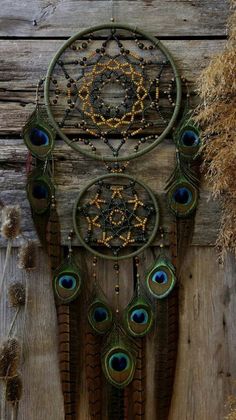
183,198
100,316
38,135
187,139
161,278
190,138
67,282
119,366
138,317
40,191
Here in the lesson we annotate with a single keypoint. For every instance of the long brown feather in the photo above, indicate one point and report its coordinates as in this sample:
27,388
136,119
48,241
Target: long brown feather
116,404
93,373
167,342
68,356
138,385
67,322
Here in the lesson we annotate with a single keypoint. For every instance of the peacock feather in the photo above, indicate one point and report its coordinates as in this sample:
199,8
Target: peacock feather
40,191
187,137
118,358
38,134
166,340
138,315
100,316
93,370
67,281
182,190
161,278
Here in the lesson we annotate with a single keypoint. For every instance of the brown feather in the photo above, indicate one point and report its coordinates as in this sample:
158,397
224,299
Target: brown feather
68,356
93,373
67,322
138,384
167,340
53,237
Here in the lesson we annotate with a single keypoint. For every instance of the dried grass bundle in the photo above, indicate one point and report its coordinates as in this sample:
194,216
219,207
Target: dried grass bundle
11,218
9,358
231,404
27,256
217,117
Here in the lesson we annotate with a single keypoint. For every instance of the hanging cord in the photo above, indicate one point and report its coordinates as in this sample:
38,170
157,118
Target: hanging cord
112,19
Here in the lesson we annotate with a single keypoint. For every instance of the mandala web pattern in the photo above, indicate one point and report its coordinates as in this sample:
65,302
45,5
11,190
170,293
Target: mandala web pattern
112,96
115,216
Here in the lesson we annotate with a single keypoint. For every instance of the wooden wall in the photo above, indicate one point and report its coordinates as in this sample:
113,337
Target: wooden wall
30,32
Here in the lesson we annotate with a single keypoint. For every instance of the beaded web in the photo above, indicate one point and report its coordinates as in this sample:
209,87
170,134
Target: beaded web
111,97
115,214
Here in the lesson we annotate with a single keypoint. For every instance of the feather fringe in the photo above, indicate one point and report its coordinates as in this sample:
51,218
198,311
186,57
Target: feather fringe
93,372
138,385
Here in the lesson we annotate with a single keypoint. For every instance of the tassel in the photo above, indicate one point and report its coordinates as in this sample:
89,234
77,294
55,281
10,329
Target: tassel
93,372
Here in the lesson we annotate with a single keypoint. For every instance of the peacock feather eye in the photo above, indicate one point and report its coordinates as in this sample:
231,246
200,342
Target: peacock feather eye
100,316
161,278
138,317
187,138
40,191
67,281
38,134
38,137
183,198
118,366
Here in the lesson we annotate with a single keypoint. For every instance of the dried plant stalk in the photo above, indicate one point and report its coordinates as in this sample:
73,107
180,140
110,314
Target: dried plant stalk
10,229
217,117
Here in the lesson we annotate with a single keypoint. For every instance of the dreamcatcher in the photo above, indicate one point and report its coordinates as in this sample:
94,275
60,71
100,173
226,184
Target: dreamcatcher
115,216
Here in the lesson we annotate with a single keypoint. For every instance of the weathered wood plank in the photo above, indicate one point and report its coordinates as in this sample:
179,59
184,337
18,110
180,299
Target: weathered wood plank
63,17
206,366
24,63
73,172
42,396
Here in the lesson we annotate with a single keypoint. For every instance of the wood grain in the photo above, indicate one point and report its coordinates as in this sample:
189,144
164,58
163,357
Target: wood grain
63,17
42,397
75,172
206,366
23,63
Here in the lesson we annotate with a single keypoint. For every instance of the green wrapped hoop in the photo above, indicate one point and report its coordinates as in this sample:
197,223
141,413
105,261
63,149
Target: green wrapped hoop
143,34
141,248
